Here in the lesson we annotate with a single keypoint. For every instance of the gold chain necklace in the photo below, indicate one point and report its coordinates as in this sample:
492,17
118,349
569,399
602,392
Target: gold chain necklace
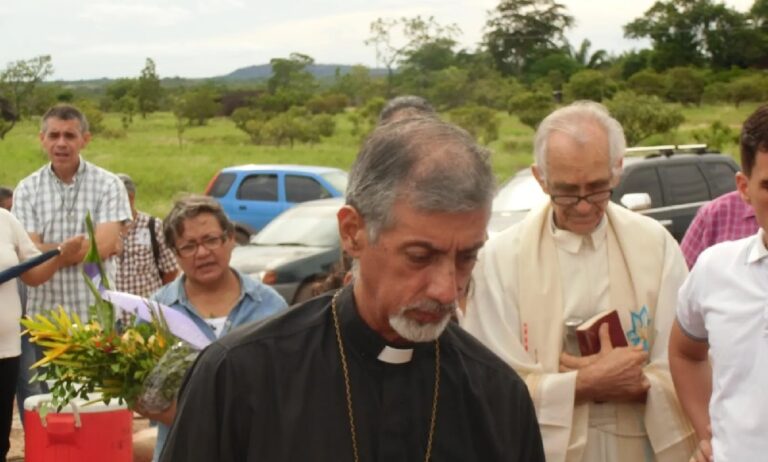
345,369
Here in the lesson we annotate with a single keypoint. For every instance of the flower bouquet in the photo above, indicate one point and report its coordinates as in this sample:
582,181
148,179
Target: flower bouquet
142,364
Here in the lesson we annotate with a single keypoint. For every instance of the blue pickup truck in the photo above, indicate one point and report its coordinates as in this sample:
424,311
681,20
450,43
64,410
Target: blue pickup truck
252,195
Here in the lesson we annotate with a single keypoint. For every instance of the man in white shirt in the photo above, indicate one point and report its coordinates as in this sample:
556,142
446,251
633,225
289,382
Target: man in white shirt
572,258
722,315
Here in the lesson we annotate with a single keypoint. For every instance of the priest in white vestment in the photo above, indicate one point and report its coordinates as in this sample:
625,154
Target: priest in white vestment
570,259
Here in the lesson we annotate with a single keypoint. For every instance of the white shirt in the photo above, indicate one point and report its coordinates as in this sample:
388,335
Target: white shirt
15,247
583,262
725,302
217,325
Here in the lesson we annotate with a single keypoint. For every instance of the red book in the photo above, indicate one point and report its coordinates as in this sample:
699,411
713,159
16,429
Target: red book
588,332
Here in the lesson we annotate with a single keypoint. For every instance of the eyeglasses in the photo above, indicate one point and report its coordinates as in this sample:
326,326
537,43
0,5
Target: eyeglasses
572,199
210,243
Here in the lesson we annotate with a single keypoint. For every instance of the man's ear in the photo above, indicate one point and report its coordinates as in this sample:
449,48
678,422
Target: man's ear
539,177
351,231
742,181
86,139
618,167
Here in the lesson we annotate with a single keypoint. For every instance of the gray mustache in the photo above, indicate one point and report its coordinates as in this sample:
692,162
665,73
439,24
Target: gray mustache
432,306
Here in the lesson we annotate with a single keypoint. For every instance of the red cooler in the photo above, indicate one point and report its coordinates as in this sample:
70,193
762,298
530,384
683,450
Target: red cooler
79,433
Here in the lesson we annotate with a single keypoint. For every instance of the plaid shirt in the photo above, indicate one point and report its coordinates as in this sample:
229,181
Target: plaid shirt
56,211
137,272
726,218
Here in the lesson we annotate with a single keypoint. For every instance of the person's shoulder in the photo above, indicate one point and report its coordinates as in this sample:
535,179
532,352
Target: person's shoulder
725,202
480,362
718,255
283,326
638,220
168,294
506,241
31,179
6,217
103,175
257,289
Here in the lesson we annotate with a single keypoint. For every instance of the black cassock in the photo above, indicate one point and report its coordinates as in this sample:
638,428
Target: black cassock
274,391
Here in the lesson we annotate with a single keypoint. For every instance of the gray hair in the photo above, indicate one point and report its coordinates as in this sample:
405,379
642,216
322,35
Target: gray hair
405,106
433,165
572,120
189,207
130,186
5,193
64,112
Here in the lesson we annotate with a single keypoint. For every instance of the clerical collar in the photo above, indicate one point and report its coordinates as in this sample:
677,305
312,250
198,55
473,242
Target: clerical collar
367,342
572,242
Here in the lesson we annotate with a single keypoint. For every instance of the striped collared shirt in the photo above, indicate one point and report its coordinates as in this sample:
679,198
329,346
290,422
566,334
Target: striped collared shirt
56,211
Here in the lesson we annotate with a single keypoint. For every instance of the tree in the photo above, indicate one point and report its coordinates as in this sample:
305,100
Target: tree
148,90
685,85
694,32
717,136
17,86
294,125
747,88
589,84
520,31
586,59
19,80
481,122
424,41
648,82
290,73
198,105
642,116
357,84
557,68
531,107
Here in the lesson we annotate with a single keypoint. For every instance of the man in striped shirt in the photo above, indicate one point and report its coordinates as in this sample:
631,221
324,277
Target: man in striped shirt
52,204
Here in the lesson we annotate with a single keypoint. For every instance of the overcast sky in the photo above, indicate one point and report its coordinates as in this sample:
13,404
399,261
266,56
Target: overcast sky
205,38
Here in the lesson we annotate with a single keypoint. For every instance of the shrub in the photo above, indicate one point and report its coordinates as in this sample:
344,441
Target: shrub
642,116
531,108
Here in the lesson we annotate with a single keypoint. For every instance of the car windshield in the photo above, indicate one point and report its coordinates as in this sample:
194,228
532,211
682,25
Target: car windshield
522,192
337,179
301,226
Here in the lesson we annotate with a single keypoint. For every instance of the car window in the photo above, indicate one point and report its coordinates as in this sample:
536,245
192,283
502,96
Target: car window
310,226
337,179
303,188
720,176
642,180
521,193
261,187
684,184
221,184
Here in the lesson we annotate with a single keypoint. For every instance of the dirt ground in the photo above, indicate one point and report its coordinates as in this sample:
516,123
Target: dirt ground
16,454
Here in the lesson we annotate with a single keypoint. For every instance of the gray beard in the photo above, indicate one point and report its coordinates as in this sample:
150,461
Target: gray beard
417,332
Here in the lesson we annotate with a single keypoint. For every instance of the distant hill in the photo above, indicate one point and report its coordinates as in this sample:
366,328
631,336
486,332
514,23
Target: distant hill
320,71
244,75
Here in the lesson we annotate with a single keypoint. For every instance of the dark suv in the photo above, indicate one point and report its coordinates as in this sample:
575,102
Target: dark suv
678,180
668,183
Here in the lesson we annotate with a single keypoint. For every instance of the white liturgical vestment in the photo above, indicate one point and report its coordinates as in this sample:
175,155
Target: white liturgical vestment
531,277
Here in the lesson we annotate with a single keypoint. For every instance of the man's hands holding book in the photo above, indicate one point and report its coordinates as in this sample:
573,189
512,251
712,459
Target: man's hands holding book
613,374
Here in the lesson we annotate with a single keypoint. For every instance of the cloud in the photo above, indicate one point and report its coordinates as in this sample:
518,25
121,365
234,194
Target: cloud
137,13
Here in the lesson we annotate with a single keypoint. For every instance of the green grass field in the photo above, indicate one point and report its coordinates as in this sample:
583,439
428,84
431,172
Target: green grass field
150,151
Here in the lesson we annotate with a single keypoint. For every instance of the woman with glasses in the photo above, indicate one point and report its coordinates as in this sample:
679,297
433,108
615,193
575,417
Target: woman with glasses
215,296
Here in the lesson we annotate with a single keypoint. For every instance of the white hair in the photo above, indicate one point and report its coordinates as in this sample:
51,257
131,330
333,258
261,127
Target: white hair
572,120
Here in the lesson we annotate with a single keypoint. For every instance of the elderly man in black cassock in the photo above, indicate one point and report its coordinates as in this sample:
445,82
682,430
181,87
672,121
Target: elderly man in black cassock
375,371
